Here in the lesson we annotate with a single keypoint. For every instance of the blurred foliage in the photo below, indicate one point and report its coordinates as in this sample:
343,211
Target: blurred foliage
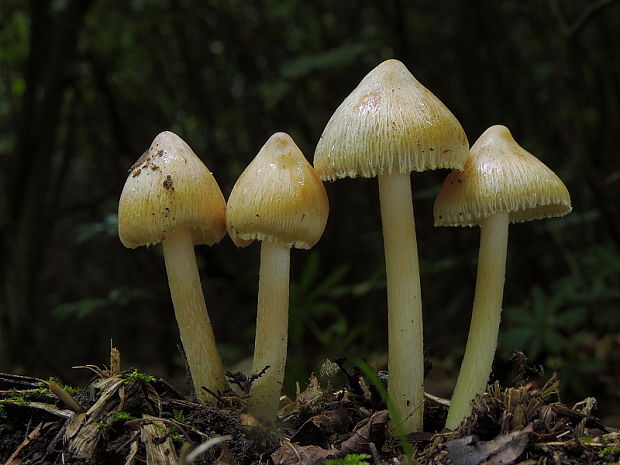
120,297
85,85
87,231
313,298
559,327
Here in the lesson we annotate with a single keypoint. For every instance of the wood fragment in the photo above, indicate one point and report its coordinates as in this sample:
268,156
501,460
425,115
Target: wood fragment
31,436
133,451
52,444
159,447
115,361
65,397
51,409
9,381
437,400
86,429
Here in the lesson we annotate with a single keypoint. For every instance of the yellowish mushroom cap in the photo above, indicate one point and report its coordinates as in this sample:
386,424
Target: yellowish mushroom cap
500,176
169,188
390,123
279,198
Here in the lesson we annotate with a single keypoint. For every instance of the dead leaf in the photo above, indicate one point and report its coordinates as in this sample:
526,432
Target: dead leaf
373,431
226,457
293,454
319,428
310,434
503,450
311,398
264,436
332,421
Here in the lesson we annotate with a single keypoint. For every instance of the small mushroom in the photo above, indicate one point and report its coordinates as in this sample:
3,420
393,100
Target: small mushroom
171,197
387,127
501,183
280,200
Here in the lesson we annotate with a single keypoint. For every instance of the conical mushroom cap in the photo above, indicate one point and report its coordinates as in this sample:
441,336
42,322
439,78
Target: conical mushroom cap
169,188
500,176
279,197
390,123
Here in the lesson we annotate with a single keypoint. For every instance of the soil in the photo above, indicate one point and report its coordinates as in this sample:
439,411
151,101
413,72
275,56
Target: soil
125,417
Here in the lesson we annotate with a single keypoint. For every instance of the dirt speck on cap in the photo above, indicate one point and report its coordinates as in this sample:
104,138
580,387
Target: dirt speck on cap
168,183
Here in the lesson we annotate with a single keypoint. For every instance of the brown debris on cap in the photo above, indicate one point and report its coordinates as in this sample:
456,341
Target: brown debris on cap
390,124
279,197
169,188
500,177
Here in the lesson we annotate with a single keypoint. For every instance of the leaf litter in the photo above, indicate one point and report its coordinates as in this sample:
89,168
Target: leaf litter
128,418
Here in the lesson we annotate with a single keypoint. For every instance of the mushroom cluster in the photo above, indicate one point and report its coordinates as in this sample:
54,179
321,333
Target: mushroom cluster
389,126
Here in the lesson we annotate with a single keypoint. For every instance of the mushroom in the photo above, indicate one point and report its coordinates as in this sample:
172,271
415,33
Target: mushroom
171,197
280,200
501,183
387,127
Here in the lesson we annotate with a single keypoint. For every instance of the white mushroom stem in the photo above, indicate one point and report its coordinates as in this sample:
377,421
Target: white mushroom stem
405,345
190,309
485,318
271,330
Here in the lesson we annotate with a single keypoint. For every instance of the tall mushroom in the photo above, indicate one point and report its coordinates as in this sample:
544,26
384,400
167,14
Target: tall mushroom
171,197
501,183
280,200
387,127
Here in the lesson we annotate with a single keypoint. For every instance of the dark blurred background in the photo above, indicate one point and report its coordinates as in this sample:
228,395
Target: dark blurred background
85,86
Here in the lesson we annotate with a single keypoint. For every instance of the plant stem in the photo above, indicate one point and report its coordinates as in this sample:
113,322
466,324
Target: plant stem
485,318
190,309
271,330
405,345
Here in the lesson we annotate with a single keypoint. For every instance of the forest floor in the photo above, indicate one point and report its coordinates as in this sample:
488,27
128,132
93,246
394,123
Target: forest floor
125,417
